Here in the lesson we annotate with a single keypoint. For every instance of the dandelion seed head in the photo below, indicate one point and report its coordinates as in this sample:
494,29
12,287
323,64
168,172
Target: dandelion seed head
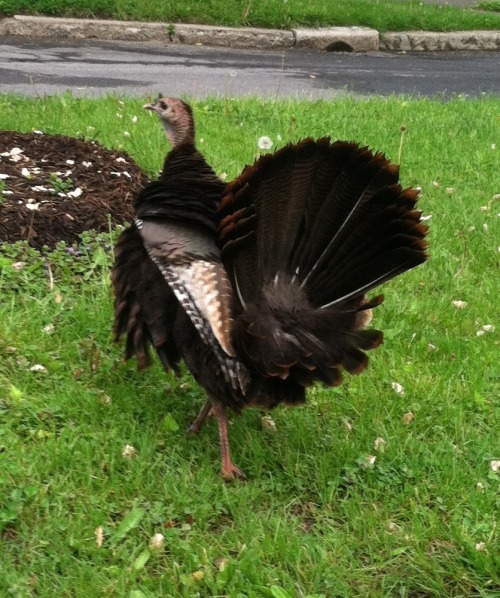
265,142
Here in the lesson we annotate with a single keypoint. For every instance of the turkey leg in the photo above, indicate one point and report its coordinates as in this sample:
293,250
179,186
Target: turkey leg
201,417
229,469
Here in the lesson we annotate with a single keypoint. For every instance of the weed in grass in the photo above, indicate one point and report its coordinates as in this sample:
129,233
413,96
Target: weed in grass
318,515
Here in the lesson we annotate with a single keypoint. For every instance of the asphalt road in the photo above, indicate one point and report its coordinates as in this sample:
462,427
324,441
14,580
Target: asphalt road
93,68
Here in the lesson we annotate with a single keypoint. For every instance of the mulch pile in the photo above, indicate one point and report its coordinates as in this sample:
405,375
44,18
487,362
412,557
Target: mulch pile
52,188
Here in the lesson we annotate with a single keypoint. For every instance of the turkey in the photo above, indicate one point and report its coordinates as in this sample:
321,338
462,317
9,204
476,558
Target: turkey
260,286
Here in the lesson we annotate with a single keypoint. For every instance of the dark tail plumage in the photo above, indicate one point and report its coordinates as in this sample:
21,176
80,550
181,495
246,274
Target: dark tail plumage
305,233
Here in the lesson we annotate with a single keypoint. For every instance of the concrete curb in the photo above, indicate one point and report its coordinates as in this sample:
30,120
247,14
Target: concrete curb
351,39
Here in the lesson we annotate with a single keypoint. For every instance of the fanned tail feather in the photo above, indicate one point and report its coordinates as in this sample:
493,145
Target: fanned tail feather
304,234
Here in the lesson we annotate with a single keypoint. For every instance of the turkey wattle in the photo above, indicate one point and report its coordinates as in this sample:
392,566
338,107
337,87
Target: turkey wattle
260,285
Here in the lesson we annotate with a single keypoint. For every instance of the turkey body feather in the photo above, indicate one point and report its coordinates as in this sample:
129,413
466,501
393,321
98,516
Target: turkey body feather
260,286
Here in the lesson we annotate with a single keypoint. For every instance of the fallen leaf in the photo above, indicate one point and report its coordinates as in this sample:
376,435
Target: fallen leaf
99,536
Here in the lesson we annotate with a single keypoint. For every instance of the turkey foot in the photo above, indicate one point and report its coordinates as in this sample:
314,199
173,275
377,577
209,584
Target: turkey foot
229,469
196,426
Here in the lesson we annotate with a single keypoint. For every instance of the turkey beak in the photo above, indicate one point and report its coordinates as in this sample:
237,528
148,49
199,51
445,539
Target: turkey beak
149,107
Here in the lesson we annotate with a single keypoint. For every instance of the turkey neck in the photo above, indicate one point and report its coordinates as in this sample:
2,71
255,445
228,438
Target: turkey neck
181,133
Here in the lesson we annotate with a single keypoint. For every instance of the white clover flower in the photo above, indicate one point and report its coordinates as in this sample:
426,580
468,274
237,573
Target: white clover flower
38,368
346,422
488,328
157,541
268,423
126,134
480,333
129,451
49,328
379,444
118,115
367,461
450,190
265,142
398,388
480,486
481,546
495,465
459,304
223,176
134,119
493,146
408,418
435,184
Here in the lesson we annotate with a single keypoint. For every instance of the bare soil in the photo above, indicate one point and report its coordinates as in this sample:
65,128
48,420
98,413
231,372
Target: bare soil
52,188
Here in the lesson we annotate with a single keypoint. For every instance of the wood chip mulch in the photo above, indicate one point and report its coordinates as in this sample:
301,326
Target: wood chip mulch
53,187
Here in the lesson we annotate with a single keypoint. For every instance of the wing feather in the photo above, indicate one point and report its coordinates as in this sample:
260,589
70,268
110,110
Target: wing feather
189,261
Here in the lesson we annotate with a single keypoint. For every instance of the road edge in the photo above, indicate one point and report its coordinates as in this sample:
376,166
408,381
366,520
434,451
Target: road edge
343,39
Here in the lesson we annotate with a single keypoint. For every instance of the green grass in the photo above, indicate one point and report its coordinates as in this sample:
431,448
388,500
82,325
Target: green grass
384,15
312,519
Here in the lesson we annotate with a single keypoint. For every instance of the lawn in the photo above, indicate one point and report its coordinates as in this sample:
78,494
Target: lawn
384,15
386,486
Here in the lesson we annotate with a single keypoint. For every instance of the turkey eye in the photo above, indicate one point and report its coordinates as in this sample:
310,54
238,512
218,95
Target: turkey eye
163,105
